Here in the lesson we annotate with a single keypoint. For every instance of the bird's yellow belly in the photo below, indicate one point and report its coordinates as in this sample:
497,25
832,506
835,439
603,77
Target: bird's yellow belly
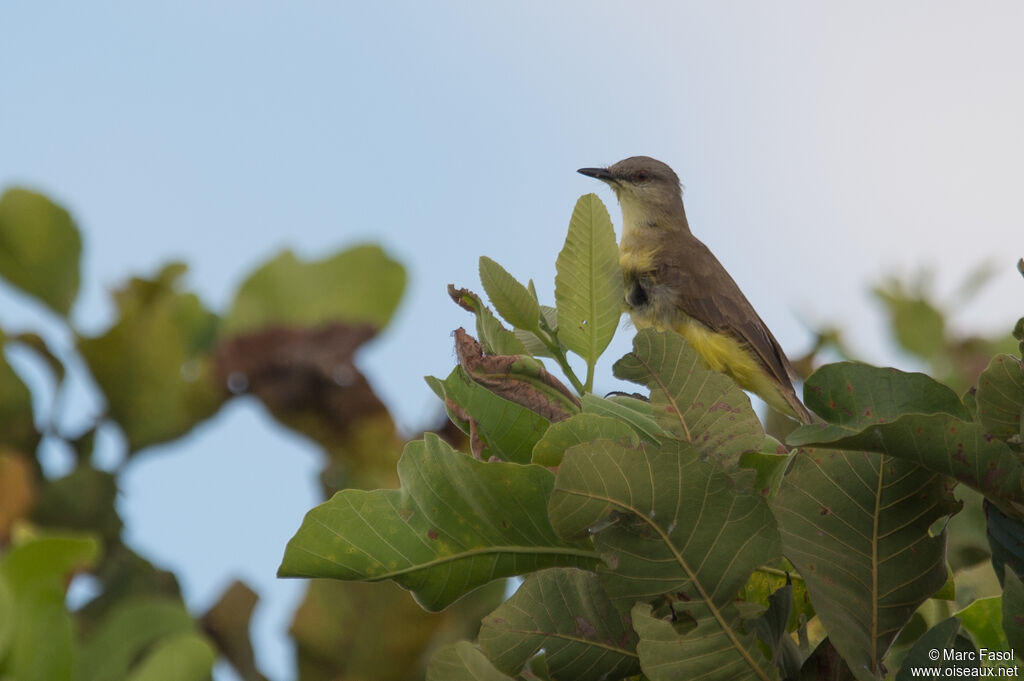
721,352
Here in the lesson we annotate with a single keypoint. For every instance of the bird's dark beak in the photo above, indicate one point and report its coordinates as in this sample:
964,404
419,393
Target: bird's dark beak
597,173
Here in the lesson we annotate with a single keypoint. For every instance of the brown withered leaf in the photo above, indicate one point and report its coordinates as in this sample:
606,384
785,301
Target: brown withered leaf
302,372
519,379
17,490
227,623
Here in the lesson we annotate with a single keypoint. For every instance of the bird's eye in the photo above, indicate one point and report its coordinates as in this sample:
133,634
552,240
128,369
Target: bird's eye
642,176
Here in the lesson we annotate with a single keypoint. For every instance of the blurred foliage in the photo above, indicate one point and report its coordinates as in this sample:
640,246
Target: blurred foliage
166,364
636,520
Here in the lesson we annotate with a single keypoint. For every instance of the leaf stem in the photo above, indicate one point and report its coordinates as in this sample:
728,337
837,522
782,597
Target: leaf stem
549,338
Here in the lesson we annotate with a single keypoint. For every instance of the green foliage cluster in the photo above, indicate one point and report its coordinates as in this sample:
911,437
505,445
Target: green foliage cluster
666,535
659,536
166,364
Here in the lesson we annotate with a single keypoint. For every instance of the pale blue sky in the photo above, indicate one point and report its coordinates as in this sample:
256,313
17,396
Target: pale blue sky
865,138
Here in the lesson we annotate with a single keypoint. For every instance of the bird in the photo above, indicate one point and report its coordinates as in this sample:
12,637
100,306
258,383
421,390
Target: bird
673,281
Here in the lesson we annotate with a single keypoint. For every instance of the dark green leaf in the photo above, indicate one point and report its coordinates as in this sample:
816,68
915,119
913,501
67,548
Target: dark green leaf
852,396
850,521
944,638
1001,397
455,524
577,429
462,661
825,664
668,522
567,614
700,406
912,417
716,649
1013,610
82,500
40,248
636,412
17,424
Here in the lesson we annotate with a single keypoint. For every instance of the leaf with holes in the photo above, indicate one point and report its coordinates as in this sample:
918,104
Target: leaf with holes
856,526
669,523
455,524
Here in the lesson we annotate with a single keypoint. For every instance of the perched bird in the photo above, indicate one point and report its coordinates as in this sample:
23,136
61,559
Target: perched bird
673,281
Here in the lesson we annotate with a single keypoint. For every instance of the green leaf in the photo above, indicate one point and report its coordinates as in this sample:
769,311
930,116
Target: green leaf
509,297
912,417
183,657
495,338
704,652
358,285
17,423
773,629
40,248
506,430
391,627
825,664
8,618
533,344
852,396
82,500
132,628
1013,610
636,412
578,429
850,523
1001,397
462,661
455,524
983,620
769,464
1005,539
37,573
918,325
689,400
566,613
588,281
154,364
668,522
943,637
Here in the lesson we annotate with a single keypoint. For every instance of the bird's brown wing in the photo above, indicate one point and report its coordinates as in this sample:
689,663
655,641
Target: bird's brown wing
705,291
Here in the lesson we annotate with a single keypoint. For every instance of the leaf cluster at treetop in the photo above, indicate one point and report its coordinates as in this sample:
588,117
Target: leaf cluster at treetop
667,536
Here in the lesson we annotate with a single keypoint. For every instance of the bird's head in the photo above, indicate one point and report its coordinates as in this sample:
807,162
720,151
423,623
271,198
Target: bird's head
647,189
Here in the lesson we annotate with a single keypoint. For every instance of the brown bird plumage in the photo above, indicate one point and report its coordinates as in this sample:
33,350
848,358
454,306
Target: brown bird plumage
673,281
